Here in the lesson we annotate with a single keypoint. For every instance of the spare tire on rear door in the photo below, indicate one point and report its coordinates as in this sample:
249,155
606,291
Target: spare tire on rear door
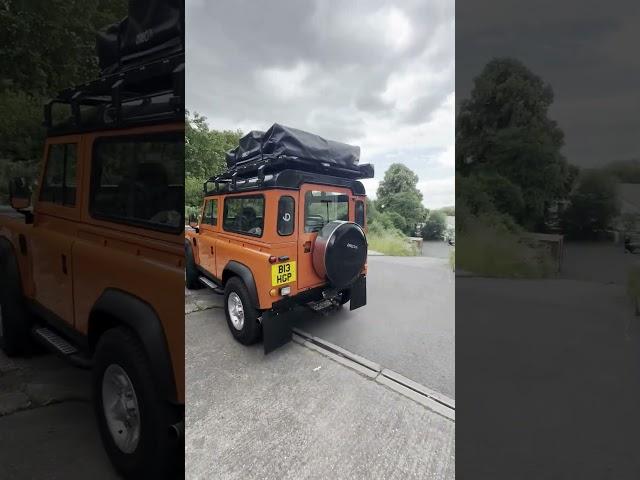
340,252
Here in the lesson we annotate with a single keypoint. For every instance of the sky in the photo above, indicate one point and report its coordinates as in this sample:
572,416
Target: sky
376,74
585,49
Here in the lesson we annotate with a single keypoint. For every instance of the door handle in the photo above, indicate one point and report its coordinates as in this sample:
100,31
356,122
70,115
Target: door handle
64,264
211,250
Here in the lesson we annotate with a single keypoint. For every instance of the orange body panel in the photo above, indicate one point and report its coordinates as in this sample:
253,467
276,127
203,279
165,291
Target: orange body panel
215,248
98,255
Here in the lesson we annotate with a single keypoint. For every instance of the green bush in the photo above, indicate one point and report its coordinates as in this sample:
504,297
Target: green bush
190,210
490,245
389,241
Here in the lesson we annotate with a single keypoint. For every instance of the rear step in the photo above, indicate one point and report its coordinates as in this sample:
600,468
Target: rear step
211,285
56,344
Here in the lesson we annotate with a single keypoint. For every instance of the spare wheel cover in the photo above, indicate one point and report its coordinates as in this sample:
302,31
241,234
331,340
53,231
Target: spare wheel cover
340,252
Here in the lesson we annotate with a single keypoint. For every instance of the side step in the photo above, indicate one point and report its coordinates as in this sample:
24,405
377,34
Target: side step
211,285
57,344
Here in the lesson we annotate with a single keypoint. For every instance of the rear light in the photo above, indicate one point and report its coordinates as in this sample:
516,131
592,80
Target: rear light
273,292
273,259
285,291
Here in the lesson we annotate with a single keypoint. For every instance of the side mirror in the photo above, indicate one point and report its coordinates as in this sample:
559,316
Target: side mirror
19,193
193,222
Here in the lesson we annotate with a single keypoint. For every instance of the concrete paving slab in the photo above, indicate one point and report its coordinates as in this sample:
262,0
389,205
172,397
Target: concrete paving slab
58,442
12,402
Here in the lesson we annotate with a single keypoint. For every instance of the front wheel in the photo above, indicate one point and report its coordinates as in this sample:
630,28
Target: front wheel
191,271
15,319
133,420
242,316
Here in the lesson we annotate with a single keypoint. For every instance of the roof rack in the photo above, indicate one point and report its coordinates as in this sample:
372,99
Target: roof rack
142,94
286,172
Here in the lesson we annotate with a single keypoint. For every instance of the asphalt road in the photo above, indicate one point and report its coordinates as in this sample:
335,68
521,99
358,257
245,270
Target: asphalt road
296,414
408,324
548,380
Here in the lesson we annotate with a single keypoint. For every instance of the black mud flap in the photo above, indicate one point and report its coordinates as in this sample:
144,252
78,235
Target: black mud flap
358,294
276,329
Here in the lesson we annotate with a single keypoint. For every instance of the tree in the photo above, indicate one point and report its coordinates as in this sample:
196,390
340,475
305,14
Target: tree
449,211
45,46
435,226
504,129
48,45
593,206
205,149
398,193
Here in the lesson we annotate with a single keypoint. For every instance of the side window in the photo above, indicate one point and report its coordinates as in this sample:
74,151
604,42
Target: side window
360,213
211,212
286,215
59,184
244,215
139,180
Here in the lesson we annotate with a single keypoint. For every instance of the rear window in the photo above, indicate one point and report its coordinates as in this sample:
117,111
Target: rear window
286,215
244,215
139,180
321,208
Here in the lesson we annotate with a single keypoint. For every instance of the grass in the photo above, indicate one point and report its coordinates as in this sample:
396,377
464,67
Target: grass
494,252
452,259
391,243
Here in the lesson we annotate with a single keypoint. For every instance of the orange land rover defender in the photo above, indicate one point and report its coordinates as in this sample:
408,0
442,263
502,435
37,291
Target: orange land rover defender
283,227
94,271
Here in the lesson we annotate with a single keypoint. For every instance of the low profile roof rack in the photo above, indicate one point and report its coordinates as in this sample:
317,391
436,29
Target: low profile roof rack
142,94
286,172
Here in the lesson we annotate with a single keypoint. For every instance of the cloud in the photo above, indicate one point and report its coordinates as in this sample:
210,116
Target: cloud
365,72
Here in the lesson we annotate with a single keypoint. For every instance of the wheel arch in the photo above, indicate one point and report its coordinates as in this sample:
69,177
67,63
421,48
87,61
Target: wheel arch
117,308
238,269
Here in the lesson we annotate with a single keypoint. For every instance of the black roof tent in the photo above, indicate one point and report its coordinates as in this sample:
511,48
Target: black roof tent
284,157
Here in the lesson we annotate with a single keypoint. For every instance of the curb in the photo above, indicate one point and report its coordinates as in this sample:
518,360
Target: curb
434,401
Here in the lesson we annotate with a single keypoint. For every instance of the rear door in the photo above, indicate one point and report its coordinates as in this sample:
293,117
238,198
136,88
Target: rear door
319,205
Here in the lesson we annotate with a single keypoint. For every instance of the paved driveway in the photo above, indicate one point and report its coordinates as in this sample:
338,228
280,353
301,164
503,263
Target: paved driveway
408,324
549,380
296,414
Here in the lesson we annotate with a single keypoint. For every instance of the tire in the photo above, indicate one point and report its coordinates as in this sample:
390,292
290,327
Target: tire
250,331
191,271
155,454
15,319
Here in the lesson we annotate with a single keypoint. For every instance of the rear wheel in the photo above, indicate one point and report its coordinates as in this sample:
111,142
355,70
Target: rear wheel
14,317
242,316
134,420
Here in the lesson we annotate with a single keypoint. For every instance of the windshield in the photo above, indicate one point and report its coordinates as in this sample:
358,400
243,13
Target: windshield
321,208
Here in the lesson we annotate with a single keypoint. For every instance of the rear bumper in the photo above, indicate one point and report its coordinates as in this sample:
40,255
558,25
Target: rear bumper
358,288
277,322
